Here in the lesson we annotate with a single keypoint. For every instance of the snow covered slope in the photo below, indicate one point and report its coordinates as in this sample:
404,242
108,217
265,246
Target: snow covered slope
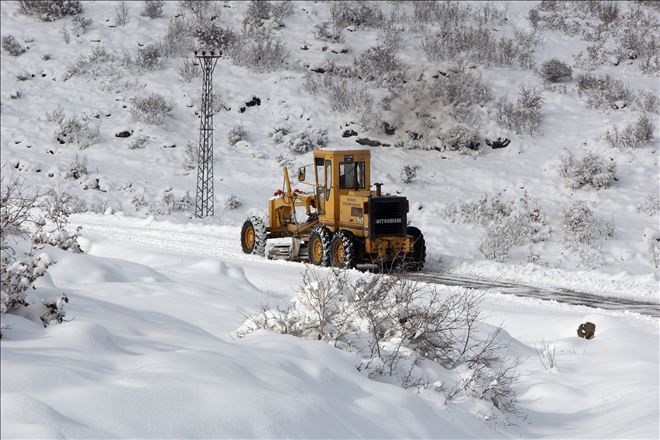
148,352
139,181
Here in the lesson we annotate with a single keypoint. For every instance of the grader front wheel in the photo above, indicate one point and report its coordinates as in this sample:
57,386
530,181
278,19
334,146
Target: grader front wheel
253,236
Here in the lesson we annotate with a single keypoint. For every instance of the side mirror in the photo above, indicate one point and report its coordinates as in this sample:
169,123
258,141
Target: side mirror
301,174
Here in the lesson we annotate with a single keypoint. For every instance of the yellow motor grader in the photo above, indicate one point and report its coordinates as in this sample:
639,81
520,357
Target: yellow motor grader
347,224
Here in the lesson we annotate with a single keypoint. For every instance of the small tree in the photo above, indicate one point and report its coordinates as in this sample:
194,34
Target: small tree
556,71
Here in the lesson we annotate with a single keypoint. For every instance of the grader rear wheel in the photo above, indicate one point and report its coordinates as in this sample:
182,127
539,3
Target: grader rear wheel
344,250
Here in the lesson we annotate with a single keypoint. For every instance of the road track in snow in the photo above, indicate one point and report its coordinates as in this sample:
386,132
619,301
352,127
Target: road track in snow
217,245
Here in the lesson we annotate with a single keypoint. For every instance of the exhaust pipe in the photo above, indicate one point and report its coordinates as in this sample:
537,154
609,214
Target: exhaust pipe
378,191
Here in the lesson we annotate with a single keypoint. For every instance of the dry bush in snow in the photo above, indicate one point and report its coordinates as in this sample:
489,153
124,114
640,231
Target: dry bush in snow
180,36
325,31
380,63
81,24
259,51
236,133
554,71
98,63
509,223
77,131
150,109
603,92
172,201
650,206
588,170
459,138
77,168
402,331
139,142
18,274
635,135
653,242
581,226
188,69
11,45
215,37
50,10
522,117
153,8
345,95
121,14
300,141
232,202
190,157
149,57
648,102
57,209
355,13
409,173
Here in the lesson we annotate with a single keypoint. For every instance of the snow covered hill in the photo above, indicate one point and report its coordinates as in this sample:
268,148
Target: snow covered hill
99,101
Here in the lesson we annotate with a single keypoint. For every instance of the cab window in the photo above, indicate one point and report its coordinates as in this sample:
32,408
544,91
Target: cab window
351,175
328,178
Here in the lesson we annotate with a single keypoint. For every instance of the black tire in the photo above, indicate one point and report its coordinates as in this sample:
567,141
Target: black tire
415,260
257,244
344,250
320,236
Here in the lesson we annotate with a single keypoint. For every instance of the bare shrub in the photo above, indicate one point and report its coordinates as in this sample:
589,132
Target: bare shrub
300,141
445,14
121,14
138,142
259,52
236,134
172,201
395,325
98,63
635,135
77,131
256,13
280,11
215,37
581,226
78,168
11,45
547,354
325,31
64,31
149,57
650,206
603,92
459,138
355,13
589,171
344,95
153,8
409,173
81,24
188,69
608,11
648,102
652,239
190,157
18,274
180,36
50,10
150,109
232,203
57,209
522,117
380,63
481,211
554,71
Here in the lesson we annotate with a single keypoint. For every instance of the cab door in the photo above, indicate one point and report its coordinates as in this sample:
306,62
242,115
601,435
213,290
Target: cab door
328,201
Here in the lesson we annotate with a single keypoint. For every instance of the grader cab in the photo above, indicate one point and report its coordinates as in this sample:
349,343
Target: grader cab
346,223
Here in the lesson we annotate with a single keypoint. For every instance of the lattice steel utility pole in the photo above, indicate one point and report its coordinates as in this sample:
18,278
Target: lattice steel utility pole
204,196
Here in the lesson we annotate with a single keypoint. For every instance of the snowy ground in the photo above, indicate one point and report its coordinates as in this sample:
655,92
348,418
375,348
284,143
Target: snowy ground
148,351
